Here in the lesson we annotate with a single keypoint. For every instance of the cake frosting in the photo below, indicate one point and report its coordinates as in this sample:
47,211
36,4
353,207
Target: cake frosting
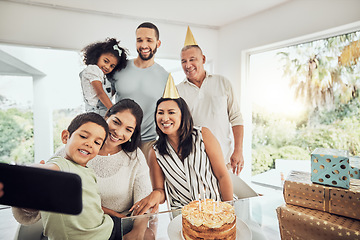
207,219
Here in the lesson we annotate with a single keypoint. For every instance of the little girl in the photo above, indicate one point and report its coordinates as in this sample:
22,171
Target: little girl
102,60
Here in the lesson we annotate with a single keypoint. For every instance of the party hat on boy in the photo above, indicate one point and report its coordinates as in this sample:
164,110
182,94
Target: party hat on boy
189,39
170,89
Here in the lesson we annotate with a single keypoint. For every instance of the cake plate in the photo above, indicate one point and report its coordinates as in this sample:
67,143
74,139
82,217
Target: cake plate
174,229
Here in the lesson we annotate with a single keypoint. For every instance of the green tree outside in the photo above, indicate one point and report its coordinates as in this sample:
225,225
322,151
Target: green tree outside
17,136
328,84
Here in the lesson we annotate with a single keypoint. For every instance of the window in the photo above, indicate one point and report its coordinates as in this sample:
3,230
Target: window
303,96
16,119
42,84
306,97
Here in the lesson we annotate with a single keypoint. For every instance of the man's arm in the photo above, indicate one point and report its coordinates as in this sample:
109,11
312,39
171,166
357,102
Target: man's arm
236,121
237,159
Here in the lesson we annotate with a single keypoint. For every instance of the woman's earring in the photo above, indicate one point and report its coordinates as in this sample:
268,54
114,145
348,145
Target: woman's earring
130,140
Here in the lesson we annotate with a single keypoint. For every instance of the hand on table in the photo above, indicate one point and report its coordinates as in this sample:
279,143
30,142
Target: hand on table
152,202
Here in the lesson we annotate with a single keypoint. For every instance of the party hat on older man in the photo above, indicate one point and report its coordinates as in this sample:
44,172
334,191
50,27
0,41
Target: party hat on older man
189,39
170,89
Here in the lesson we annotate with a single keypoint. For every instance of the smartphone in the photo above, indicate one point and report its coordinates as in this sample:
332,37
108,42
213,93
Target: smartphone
41,189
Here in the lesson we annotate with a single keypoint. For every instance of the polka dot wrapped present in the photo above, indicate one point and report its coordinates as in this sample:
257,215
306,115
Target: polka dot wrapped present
330,167
355,167
300,191
299,223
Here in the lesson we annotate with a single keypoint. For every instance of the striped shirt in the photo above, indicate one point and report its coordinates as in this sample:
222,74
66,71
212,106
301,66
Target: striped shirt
191,179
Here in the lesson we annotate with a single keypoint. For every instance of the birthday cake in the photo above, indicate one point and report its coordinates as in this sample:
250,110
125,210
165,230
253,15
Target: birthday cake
207,219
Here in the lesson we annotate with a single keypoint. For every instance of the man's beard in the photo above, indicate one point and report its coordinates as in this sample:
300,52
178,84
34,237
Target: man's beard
152,53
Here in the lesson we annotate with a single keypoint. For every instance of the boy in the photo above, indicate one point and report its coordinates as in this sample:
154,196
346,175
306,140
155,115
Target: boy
83,139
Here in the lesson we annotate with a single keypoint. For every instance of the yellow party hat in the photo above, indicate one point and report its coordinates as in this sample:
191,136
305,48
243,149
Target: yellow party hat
189,39
170,89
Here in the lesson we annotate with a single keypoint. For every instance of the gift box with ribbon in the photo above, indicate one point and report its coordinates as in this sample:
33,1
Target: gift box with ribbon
330,167
299,190
307,224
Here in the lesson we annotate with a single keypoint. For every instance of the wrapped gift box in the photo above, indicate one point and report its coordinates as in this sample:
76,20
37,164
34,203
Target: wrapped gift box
299,190
354,172
307,224
330,167
355,165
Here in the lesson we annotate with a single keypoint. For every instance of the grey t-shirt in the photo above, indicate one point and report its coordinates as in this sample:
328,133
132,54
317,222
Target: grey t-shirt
145,86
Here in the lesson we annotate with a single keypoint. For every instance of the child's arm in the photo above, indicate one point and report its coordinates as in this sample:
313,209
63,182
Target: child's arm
214,152
97,85
50,166
27,216
112,212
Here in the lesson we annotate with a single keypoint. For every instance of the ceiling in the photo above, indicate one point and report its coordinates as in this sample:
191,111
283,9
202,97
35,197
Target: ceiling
202,13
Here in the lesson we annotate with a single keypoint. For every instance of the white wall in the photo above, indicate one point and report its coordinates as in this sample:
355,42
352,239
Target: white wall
46,27
293,19
30,25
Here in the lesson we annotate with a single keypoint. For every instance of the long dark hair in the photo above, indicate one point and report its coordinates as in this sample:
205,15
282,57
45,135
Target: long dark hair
185,130
93,51
136,111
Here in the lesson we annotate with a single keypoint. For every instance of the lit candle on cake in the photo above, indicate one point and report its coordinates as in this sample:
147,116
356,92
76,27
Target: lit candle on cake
199,203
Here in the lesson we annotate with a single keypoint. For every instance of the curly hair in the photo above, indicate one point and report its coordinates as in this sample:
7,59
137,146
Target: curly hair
93,51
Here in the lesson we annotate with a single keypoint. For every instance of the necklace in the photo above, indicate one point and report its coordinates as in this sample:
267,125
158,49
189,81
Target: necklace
179,154
109,152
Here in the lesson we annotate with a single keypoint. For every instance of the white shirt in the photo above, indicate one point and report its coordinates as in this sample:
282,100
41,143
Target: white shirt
122,180
87,76
186,179
214,106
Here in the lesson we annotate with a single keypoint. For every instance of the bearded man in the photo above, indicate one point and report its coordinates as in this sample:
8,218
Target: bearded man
143,80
